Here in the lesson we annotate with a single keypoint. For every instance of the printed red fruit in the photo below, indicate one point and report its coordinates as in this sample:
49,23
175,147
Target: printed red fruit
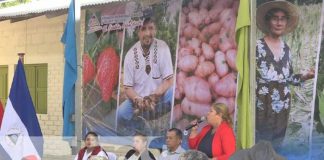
88,70
107,72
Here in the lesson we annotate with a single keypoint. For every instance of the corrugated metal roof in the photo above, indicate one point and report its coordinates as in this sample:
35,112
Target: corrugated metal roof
37,8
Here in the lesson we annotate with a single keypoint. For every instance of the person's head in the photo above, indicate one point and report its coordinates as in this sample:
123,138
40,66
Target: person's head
91,140
173,138
147,32
193,155
277,17
218,113
140,142
276,20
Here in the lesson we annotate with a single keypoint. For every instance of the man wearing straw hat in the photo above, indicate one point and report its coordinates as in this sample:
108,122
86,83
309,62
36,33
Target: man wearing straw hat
274,71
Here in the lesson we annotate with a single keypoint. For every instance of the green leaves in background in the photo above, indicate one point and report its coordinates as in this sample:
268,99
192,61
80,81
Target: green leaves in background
321,105
108,39
13,3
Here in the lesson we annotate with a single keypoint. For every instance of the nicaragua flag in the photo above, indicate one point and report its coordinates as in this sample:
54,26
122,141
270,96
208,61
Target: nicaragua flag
20,134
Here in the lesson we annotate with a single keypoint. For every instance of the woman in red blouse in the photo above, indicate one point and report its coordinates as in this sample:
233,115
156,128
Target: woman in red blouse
216,139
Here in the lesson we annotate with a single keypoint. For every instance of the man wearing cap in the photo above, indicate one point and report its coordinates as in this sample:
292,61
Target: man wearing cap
274,71
148,77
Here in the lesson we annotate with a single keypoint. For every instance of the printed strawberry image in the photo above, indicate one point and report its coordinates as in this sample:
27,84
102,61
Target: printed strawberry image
89,70
107,72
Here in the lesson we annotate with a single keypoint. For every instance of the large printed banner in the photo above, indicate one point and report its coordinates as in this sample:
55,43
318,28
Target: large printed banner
285,75
317,140
206,69
152,65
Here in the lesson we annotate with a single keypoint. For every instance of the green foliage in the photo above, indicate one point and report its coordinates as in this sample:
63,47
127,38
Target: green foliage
321,104
105,40
130,40
13,3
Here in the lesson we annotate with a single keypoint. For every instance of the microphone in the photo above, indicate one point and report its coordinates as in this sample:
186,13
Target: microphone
193,125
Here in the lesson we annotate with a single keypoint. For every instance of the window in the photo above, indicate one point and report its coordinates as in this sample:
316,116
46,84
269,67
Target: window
36,75
3,84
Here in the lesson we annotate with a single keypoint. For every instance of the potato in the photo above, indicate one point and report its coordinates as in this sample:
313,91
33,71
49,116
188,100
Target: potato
231,59
212,79
208,51
226,86
190,31
204,69
220,64
214,41
229,102
197,90
188,63
184,52
195,19
194,109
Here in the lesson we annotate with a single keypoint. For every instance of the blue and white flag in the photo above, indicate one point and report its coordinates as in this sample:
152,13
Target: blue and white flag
20,134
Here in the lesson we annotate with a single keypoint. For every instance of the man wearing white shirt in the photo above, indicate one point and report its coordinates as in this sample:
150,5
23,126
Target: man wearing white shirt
173,142
148,72
92,149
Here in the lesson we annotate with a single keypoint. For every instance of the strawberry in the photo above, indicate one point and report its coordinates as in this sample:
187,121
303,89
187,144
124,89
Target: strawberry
89,69
107,72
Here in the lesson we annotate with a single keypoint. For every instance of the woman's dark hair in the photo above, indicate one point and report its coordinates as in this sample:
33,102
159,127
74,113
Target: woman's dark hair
91,133
271,13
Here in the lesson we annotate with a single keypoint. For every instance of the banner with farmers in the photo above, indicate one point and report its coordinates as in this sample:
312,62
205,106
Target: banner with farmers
317,137
152,65
287,50
128,67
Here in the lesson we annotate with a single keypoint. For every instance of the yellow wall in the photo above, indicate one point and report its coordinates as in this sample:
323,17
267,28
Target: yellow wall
39,38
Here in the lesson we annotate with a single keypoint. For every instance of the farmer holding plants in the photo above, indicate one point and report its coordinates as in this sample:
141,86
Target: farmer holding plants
148,77
274,71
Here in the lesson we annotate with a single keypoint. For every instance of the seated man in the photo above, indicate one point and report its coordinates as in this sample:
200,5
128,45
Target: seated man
92,148
148,78
173,141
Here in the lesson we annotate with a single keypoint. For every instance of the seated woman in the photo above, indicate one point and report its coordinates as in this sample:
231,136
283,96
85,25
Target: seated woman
140,151
217,139
92,150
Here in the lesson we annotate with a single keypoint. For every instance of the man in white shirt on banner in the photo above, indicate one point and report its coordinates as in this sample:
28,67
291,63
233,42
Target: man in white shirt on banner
148,78
173,142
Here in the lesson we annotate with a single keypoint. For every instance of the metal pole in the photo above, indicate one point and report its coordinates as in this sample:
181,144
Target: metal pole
252,62
78,104
21,57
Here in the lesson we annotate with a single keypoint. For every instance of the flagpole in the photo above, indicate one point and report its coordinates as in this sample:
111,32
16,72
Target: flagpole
78,113
21,57
252,63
